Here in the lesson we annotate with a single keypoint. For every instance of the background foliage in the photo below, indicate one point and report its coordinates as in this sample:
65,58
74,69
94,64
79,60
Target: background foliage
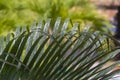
16,13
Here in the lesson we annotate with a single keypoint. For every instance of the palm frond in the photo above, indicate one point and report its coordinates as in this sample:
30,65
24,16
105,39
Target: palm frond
43,53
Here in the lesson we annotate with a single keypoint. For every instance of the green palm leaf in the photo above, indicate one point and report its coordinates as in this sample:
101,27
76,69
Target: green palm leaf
45,53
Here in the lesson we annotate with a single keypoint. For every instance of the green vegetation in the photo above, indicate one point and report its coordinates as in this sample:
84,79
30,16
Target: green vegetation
16,13
42,53
56,48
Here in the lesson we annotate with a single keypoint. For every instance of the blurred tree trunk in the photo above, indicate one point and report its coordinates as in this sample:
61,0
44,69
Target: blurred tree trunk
117,33
117,24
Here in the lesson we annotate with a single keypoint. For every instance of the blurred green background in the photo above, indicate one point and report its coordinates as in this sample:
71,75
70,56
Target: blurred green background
15,13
